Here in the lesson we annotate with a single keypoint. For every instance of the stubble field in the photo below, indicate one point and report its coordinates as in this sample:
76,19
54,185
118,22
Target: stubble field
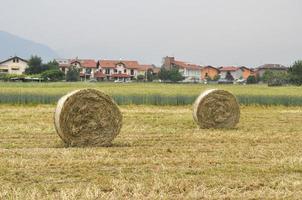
160,154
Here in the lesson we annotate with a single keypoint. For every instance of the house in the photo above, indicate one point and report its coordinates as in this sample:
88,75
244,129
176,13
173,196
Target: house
209,72
246,72
13,65
122,70
189,71
143,70
231,73
270,67
87,67
63,64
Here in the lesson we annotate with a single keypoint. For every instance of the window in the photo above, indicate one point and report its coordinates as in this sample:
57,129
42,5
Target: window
115,70
125,71
17,60
15,68
88,71
3,70
107,71
132,72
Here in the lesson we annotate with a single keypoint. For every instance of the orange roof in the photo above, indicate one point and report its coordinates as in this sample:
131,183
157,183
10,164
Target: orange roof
112,63
145,67
99,74
229,68
185,65
120,76
87,63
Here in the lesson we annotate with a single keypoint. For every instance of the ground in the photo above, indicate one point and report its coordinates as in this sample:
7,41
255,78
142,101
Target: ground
159,154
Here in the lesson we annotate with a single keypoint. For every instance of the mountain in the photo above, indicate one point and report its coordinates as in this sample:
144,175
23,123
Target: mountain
11,45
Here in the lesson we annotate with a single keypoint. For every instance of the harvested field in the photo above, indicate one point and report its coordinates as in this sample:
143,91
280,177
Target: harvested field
159,154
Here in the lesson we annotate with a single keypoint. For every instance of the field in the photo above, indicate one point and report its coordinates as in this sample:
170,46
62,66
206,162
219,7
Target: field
160,154
149,93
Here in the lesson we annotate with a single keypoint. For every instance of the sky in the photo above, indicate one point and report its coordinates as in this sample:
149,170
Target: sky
205,32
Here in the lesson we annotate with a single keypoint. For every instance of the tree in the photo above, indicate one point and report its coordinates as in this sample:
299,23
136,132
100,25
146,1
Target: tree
275,78
34,65
251,80
163,74
295,73
174,75
72,74
150,76
229,76
52,65
53,75
140,77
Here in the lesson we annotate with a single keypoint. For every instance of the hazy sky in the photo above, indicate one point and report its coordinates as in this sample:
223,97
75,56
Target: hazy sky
207,32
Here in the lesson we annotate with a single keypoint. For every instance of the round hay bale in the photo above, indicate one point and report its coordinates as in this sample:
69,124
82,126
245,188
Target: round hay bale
216,109
87,117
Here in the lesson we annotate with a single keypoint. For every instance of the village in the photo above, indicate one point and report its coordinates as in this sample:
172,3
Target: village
131,70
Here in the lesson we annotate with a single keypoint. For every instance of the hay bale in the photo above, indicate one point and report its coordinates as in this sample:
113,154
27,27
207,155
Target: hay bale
87,117
216,109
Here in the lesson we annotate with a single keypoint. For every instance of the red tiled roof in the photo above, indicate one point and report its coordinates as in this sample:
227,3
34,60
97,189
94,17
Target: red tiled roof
99,74
112,64
229,68
145,67
185,65
87,63
120,76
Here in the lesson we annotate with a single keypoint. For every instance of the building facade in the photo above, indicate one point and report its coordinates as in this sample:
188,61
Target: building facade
189,71
13,65
209,72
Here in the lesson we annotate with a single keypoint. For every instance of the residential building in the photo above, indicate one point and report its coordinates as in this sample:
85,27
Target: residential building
231,72
143,70
87,67
246,72
122,70
13,65
189,71
209,72
271,67
64,64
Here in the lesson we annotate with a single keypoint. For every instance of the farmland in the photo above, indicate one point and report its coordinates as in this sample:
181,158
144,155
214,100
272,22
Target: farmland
160,153
149,93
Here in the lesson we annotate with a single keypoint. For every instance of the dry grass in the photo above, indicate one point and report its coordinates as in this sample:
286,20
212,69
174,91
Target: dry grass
160,154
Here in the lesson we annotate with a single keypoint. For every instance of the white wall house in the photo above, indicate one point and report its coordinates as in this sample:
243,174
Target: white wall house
188,71
118,69
13,65
235,72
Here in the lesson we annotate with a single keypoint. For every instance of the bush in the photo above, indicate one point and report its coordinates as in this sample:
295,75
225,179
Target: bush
251,80
73,74
53,75
275,78
140,77
295,73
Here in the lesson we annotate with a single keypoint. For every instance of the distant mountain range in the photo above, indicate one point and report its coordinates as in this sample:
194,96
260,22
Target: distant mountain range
11,45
